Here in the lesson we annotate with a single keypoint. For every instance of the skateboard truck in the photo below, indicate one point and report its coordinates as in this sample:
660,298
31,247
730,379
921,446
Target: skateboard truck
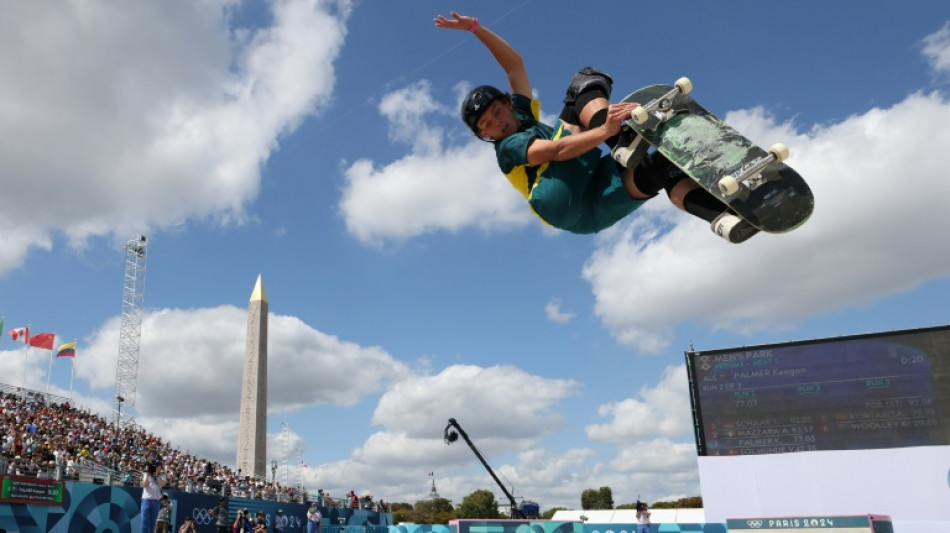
750,175
662,107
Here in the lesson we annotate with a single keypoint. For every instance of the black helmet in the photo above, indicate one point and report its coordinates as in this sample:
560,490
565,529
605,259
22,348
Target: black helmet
475,104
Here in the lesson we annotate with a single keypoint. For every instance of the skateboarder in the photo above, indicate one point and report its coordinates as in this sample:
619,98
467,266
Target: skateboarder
559,169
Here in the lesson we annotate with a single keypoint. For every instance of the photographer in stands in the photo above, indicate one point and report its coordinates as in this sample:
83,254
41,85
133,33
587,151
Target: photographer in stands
643,517
188,526
242,524
152,483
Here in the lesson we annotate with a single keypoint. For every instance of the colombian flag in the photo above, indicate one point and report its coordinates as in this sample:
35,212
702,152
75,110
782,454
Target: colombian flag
67,350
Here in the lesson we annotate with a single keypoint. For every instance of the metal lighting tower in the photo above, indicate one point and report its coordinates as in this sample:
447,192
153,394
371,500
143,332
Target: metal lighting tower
285,449
130,331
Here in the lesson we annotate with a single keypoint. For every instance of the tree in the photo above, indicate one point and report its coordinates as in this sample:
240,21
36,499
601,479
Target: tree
402,512
693,502
479,504
602,498
549,514
434,511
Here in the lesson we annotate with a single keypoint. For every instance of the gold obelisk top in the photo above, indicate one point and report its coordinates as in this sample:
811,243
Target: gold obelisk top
258,294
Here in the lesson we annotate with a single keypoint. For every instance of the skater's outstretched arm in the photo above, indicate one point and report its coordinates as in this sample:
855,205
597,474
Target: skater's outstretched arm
506,56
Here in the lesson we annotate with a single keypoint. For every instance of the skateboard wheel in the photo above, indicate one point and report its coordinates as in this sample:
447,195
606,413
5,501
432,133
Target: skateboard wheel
729,185
684,85
779,151
639,115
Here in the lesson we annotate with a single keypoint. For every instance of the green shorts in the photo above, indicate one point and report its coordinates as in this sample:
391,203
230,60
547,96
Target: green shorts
583,202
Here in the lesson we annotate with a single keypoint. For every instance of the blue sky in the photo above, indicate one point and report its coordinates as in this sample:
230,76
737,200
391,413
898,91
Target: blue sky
318,145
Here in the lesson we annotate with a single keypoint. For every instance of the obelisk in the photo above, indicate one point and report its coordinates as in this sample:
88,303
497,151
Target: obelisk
252,436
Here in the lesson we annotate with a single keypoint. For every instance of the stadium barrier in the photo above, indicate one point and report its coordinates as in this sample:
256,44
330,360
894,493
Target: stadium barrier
78,507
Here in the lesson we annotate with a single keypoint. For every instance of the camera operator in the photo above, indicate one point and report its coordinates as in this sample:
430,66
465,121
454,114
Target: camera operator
188,526
153,480
242,524
643,517
260,523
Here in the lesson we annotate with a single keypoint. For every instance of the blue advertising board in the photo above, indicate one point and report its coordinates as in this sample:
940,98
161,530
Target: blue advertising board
92,508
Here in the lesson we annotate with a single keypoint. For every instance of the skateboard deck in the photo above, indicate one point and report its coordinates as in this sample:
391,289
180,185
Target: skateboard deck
769,194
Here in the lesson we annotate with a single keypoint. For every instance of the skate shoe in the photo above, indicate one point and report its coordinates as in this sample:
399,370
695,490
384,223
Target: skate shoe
630,149
733,228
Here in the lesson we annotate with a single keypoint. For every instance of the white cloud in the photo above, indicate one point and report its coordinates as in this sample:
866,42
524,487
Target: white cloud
499,402
406,109
550,478
191,362
661,469
554,313
936,48
655,452
656,458
148,114
502,408
214,438
662,410
879,180
510,416
431,189
28,367
204,437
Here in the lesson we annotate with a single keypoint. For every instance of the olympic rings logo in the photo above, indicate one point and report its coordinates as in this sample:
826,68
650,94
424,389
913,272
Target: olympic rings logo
202,516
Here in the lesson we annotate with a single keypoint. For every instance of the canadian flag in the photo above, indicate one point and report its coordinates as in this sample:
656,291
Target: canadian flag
20,334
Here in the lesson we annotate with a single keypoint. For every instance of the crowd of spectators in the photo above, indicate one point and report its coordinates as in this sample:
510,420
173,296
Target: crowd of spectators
40,438
351,500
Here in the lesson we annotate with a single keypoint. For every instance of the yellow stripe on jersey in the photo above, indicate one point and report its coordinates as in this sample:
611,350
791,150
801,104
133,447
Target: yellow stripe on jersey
536,109
522,175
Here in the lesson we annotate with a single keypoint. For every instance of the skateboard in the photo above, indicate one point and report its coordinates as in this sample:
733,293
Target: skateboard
755,183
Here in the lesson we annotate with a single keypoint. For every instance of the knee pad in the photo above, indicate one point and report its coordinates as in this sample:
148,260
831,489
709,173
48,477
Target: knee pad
656,173
598,119
571,113
702,204
646,179
586,79
663,171
671,182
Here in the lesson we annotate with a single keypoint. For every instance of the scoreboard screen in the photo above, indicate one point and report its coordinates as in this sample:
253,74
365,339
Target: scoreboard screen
887,390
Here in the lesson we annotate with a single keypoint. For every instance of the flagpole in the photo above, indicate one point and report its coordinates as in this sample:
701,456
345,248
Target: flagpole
26,356
50,372
72,372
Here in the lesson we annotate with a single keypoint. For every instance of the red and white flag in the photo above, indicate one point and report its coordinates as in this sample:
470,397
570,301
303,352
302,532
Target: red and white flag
20,335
